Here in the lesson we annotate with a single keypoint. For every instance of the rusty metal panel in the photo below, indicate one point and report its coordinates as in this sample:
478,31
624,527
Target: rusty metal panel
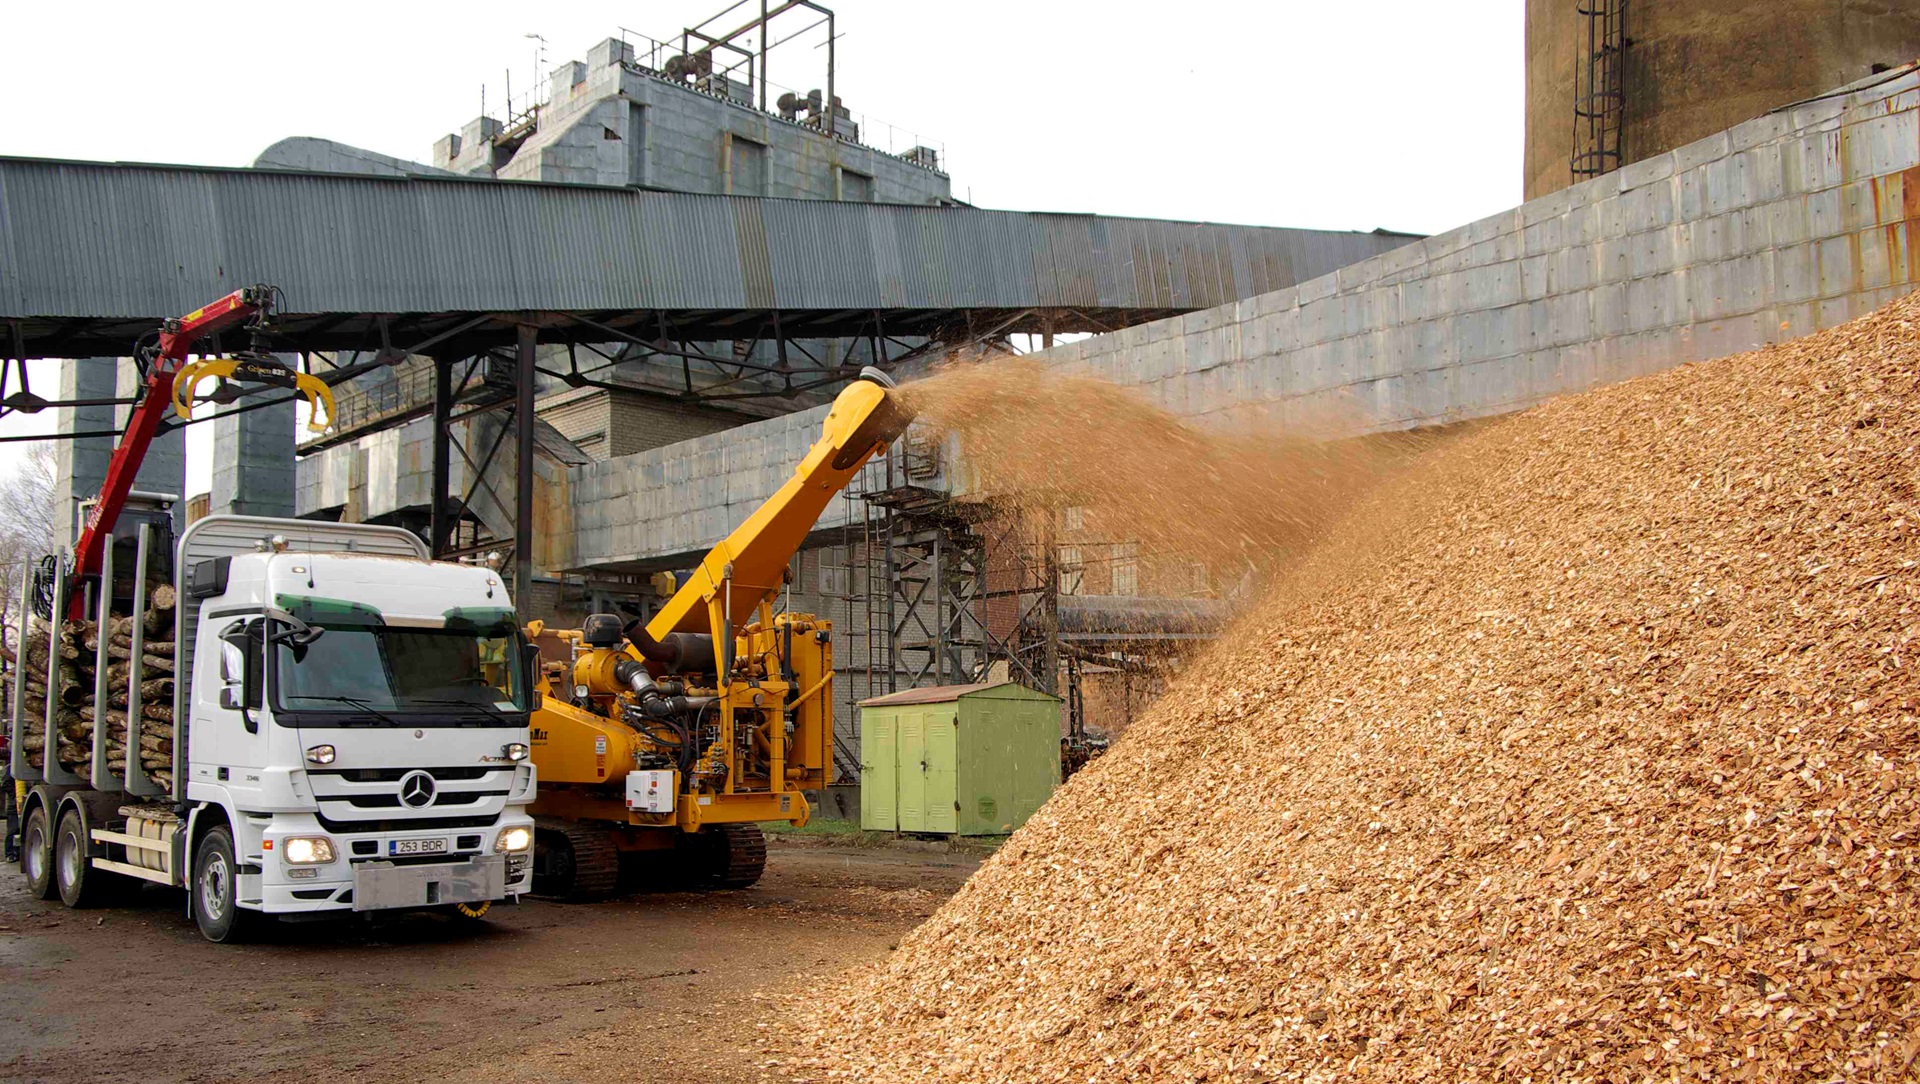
750,245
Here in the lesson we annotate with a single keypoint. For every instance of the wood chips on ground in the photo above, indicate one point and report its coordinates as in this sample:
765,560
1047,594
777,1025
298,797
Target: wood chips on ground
1584,750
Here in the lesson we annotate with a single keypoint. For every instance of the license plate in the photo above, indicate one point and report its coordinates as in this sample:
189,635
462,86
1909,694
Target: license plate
416,846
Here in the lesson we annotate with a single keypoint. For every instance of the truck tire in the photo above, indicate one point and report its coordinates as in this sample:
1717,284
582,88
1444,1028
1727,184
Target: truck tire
36,855
574,862
729,855
80,884
214,893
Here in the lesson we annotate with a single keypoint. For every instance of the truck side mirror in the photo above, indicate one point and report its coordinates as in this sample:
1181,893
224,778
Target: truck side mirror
530,673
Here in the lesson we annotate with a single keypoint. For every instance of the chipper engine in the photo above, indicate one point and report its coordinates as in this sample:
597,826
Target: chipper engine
686,731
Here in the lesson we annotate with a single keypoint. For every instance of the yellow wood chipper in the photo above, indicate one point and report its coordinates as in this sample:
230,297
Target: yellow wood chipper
687,731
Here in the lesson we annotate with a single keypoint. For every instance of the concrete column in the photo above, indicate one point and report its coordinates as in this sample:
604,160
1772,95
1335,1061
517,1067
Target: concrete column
165,468
80,466
253,471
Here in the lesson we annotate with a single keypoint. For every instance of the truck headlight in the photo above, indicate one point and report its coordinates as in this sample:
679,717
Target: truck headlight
517,838
516,751
307,850
320,754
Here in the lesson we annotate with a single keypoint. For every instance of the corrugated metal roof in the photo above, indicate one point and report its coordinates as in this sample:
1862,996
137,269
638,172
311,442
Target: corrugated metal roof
98,241
940,694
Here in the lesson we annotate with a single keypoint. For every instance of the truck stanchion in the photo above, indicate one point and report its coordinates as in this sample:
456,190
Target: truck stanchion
51,770
139,783
103,777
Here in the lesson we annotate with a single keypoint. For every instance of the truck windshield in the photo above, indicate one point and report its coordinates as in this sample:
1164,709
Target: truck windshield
383,671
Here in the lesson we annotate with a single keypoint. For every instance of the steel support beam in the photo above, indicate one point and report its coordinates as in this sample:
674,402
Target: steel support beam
523,418
440,526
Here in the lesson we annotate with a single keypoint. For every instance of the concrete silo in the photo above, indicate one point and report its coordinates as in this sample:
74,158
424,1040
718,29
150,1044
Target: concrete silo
1673,71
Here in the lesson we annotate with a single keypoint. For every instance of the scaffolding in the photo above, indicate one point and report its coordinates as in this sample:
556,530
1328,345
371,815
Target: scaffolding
940,591
1599,89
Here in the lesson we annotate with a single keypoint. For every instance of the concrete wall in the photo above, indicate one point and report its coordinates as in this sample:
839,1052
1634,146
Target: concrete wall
609,422
659,507
386,477
1783,225
327,156
606,121
1786,224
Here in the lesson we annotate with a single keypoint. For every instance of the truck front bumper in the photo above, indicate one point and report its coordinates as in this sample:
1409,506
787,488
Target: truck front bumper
379,886
367,876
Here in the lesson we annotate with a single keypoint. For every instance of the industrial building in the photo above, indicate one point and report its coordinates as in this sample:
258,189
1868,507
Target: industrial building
680,272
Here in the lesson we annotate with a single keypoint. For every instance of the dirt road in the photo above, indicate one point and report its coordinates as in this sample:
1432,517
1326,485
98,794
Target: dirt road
641,988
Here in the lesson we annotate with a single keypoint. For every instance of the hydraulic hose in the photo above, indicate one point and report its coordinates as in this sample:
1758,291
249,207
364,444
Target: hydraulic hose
653,699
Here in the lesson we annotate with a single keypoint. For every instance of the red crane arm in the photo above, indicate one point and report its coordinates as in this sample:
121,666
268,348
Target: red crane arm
176,341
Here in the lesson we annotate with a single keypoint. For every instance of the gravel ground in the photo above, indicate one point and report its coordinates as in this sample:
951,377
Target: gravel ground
641,987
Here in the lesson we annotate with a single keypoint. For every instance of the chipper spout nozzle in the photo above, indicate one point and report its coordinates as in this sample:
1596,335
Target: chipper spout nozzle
881,422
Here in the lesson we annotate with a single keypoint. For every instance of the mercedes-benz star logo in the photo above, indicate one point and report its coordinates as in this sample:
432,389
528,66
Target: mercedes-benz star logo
416,790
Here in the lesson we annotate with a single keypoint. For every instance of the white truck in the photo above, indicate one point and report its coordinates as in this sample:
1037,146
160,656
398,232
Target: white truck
347,734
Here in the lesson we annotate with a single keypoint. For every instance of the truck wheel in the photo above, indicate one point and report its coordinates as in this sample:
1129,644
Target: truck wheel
215,890
729,855
573,861
36,855
80,884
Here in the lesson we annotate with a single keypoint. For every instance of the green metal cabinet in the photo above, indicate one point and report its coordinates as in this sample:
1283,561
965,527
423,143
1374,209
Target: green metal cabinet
968,760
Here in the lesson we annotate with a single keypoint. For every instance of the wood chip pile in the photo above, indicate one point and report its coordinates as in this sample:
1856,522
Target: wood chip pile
74,693
1585,750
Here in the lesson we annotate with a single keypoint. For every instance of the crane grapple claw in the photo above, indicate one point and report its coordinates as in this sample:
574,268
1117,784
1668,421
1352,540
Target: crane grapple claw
240,375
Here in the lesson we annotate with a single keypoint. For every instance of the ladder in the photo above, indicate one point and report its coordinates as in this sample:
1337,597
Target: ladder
1599,89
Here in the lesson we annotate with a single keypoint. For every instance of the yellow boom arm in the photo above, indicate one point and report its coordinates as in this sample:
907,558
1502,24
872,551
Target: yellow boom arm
748,564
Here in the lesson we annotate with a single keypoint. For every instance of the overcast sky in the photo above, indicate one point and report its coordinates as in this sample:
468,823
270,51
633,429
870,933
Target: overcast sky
1403,114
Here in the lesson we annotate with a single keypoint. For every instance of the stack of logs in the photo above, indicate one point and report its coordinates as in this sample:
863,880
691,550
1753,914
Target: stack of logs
77,646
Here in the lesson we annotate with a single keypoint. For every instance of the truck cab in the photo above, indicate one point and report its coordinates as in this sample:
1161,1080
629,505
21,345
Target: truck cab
349,734
368,717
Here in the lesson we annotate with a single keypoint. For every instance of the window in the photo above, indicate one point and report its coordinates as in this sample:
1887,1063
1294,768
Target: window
1074,518
1126,568
747,167
855,187
241,647
835,577
468,669
1072,570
